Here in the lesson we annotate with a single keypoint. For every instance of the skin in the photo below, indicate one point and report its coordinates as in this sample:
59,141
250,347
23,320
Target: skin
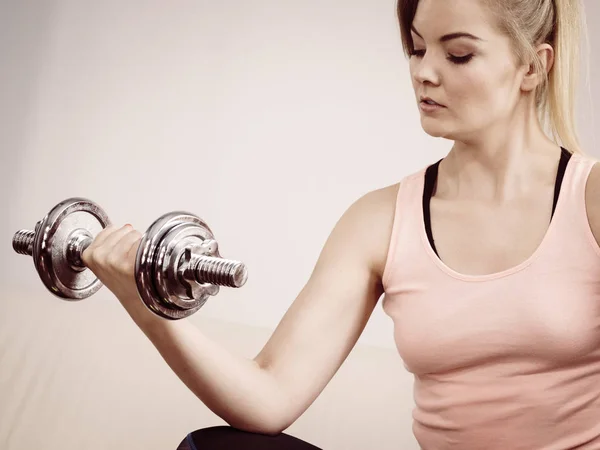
490,110
495,185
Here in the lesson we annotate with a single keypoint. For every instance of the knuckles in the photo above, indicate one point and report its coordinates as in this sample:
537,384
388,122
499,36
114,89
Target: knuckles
111,256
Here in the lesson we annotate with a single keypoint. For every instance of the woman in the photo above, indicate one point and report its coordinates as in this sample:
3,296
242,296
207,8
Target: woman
488,259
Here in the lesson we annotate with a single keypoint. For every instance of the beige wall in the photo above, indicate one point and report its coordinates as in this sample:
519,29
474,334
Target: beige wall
147,108
588,109
266,118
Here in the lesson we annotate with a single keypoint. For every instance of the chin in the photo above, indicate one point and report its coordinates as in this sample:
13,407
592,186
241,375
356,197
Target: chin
438,131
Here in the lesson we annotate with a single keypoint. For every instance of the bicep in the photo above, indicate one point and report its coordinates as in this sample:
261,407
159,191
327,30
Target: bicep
325,321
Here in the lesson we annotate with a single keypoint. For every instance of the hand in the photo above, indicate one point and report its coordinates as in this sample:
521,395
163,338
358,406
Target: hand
111,257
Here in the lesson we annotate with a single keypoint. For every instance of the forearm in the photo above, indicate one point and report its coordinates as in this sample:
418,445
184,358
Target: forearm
236,389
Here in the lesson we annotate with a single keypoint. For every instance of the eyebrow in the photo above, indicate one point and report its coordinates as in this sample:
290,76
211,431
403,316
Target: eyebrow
449,37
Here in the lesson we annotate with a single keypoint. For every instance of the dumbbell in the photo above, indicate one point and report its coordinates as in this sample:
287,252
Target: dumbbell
178,265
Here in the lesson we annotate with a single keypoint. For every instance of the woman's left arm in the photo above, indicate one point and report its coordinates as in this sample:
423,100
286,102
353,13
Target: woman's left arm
592,200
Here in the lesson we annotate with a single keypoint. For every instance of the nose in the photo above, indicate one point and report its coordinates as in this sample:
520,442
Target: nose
425,71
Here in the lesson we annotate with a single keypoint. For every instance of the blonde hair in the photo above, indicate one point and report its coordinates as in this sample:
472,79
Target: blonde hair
560,23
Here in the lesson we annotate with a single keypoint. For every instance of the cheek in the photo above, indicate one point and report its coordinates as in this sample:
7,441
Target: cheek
482,91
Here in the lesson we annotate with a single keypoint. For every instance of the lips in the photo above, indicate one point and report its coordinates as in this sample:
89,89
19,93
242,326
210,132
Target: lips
430,101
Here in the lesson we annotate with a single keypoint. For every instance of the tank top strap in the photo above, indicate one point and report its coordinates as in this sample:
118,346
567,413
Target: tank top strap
408,217
575,181
572,220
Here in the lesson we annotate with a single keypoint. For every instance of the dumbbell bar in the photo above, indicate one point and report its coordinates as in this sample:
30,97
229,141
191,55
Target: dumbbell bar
177,267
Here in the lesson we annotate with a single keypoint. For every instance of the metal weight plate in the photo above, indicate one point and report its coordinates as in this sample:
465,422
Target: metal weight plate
50,247
175,250
151,255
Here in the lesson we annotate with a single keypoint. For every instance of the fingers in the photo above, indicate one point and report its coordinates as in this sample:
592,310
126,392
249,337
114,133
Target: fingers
103,235
110,246
133,240
110,240
86,255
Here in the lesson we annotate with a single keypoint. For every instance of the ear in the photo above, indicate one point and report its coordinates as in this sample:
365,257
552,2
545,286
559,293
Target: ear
532,79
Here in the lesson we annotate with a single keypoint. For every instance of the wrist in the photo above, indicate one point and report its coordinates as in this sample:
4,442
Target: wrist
143,317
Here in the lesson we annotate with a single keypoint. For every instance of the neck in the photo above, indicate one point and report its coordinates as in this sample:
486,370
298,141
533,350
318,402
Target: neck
505,162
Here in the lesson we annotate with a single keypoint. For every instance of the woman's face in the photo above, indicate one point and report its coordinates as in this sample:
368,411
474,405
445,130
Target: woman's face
463,63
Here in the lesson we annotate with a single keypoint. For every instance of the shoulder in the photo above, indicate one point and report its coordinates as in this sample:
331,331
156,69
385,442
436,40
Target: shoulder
373,215
376,213
380,204
379,201
592,200
371,219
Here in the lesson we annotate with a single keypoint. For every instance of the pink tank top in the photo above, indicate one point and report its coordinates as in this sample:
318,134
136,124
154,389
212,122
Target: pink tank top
509,360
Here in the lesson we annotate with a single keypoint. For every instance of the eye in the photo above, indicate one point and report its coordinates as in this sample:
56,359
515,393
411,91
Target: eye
451,58
416,53
460,59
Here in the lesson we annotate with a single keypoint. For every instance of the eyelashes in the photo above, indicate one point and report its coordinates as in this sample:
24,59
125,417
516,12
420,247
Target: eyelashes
454,59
